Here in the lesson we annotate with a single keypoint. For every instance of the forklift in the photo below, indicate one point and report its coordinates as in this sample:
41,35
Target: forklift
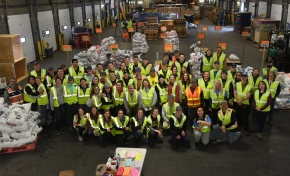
279,49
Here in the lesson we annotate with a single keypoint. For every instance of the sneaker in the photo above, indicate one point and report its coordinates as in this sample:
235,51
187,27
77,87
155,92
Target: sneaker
80,138
238,132
63,131
247,133
259,135
271,123
216,141
59,132
48,123
196,146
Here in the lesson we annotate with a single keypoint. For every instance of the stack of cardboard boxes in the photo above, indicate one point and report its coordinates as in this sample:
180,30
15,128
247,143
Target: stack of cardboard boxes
180,27
179,10
152,31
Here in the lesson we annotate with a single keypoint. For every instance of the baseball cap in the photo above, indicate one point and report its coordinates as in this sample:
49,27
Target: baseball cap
170,97
193,80
70,78
176,51
89,67
62,65
50,69
178,108
164,62
152,69
224,101
103,73
107,85
269,61
35,63
137,69
244,74
126,71
233,65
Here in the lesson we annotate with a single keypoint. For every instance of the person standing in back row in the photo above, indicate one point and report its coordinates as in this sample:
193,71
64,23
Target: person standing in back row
220,57
242,94
269,68
75,71
182,63
195,99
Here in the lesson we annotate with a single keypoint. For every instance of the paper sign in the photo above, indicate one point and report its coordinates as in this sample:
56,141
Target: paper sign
114,24
163,35
196,22
163,28
245,34
138,156
265,44
205,28
99,30
66,48
168,47
140,24
170,23
114,47
223,45
200,35
125,35
218,28
85,38
130,29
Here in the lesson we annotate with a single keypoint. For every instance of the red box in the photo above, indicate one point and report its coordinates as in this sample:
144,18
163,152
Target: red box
120,171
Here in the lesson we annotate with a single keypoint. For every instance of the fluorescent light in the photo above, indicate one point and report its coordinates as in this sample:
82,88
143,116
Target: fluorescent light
22,39
78,23
47,32
64,27
140,2
89,20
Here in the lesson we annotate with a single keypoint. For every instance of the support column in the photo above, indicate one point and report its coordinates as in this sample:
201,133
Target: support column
284,14
256,15
269,7
71,13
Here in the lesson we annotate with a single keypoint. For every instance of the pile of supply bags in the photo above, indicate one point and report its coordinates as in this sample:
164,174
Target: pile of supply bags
283,99
247,70
172,38
139,43
120,56
195,60
18,125
96,54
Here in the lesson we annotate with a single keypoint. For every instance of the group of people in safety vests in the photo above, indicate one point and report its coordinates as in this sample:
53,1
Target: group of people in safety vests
111,104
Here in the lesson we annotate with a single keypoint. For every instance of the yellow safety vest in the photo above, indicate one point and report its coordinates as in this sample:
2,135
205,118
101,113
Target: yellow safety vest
147,97
96,101
226,119
265,70
70,97
148,121
27,97
145,71
168,73
183,88
174,89
163,93
132,102
260,102
241,94
221,59
83,97
216,77
54,97
153,81
204,128
118,99
206,89
176,123
178,66
170,111
207,65
216,99
104,125
43,99
42,73
94,124
78,76
255,86
230,76
273,87
117,122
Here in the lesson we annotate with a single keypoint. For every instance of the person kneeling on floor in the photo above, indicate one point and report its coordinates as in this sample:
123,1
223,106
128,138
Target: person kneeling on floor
178,126
80,122
153,127
227,124
201,126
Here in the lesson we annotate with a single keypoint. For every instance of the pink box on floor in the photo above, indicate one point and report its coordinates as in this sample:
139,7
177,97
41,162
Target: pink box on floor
120,171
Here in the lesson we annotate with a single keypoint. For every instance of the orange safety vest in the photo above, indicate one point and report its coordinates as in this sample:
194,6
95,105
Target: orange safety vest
15,96
193,99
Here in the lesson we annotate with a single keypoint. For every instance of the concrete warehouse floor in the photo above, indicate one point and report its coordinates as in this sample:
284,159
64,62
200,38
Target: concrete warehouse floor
248,156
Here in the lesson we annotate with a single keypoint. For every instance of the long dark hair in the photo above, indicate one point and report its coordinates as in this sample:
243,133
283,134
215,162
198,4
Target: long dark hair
109,119
78,115
145,79
92,93
203,116
92,116
164,84
263,82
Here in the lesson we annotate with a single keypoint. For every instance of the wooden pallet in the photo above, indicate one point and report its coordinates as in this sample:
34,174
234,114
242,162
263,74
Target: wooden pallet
23,148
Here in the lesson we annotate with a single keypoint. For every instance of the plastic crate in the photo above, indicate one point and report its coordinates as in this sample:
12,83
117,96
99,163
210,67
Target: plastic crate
23,148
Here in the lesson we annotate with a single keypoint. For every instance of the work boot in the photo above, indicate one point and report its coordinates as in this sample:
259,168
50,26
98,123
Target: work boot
196,145
260,136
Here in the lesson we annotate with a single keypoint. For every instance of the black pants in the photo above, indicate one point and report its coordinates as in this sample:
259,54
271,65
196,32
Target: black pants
214,115
206,106
261,117
183,104
60,117
80,130
122,138
242,115
183,138
34,106
154,136
106,136
71,110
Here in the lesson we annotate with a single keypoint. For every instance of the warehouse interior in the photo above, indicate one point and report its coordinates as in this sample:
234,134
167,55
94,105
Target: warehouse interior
39,22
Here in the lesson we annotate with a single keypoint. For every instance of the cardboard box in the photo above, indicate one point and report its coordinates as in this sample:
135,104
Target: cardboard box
101,171
182,12
67,173
152,19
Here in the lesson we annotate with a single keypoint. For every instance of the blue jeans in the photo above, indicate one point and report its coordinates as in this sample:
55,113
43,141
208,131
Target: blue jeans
183,138
139,136
154,136
59,113
261,117
271,113
232,135
71,110
44,112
